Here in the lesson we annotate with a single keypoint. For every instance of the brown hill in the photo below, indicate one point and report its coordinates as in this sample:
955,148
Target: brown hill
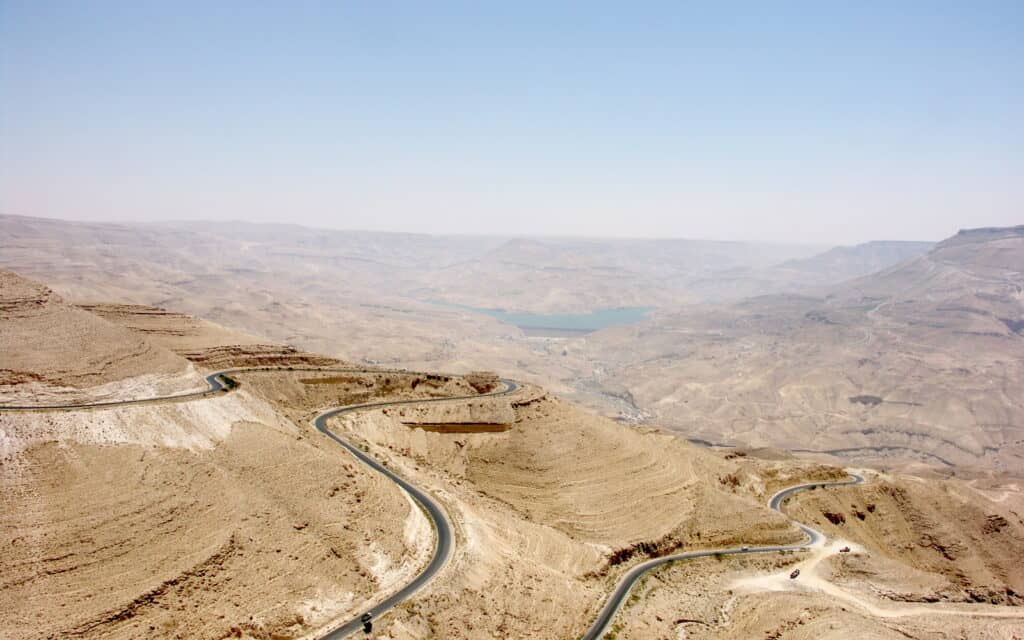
840,263
230,517
53,349
921,361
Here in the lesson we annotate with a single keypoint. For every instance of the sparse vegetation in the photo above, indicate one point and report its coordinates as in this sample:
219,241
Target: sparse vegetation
834,517
731,480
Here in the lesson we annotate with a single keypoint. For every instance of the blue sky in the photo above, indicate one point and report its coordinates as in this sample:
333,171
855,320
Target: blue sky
809,122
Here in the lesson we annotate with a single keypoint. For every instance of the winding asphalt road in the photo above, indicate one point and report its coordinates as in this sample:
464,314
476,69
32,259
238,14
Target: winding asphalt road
221,382
216,381
615,600
436,513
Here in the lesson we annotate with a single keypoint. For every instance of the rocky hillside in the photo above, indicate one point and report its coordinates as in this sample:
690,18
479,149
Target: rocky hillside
230,516
919,362
56,350
840,263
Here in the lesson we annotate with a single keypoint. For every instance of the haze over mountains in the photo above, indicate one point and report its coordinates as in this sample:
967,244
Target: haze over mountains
227,517
171,263
848,262
921,360
656,323
523,274
915,362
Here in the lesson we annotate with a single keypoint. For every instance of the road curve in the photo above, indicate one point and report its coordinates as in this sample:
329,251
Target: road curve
217,381
221,382
618,596
434,511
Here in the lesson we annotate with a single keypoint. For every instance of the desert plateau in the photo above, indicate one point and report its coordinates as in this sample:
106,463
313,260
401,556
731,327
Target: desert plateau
230,515
511,321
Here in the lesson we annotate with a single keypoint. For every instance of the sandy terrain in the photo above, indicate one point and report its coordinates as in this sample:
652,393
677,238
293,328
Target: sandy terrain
951,544
929,346
208,516
919,363
818,578
190,425
542,534
925,561
213,518
230,516
176,332
195,544
753,597
550,513
54,352
209,345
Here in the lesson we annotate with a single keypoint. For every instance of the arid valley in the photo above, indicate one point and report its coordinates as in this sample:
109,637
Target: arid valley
225,513
511,320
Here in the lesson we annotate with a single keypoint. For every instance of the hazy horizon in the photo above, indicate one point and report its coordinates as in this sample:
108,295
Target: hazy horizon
793,125
511,320
169,222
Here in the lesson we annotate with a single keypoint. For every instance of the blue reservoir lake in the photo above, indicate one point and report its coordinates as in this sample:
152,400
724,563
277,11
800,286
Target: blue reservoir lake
561,323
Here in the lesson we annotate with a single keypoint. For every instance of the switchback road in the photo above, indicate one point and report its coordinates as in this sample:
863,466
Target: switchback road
222,382
615,600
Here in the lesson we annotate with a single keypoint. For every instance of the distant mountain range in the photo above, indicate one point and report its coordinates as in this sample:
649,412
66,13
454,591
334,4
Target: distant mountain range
859,260
933,343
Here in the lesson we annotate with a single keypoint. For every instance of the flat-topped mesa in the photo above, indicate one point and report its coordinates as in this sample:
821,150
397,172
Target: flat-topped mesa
988,252
982,234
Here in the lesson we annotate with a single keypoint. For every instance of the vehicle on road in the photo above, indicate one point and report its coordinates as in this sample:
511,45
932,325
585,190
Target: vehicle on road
845,550
795,573
745,548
